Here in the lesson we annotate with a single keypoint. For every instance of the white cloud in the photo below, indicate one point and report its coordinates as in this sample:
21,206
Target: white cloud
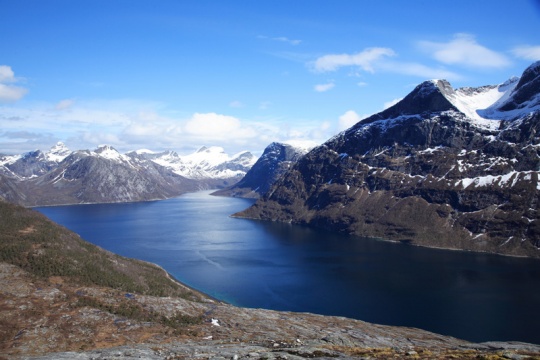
216,126
364,59
133,124
64,104
9,93
324,87
419,70
287,40
236,104
527,52
373,59
348,119
391,103
6,74
282,39
463,49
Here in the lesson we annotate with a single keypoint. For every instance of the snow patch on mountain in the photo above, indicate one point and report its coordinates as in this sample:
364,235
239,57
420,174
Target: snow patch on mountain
206,163
302,145
58,152
478,103
110,153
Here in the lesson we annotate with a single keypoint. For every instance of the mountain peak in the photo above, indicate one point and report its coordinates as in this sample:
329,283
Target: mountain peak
429,96
108,152
58,152
525,97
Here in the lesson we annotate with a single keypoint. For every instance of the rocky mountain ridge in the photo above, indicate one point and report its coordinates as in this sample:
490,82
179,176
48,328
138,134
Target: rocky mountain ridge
61,176
276,159
444,168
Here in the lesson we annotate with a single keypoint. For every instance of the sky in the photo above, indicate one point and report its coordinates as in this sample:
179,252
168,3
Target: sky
240,74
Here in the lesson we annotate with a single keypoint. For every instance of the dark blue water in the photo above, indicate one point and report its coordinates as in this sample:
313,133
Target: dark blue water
476,297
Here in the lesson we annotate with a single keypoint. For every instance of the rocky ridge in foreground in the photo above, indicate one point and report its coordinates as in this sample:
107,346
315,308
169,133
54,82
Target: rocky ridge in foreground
63,298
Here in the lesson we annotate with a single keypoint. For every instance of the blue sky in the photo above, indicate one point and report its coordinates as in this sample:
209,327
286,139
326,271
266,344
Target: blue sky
164,74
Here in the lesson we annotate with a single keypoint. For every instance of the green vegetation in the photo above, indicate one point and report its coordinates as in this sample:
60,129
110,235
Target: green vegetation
44,249
133,310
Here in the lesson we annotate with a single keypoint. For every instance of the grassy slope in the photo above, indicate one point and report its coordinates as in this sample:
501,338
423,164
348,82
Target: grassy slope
44,249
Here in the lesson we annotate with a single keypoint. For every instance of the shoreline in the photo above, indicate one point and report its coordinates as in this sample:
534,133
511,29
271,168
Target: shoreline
175,280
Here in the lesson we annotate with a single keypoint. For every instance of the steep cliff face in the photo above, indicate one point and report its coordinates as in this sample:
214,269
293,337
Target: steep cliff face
433,170
276,159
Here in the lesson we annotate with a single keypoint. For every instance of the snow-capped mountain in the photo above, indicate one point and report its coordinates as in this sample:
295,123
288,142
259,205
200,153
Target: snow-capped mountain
34,163
206,163
276,159
58,152
61,176
444,167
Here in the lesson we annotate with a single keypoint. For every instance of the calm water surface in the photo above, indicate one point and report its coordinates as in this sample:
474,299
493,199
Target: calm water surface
477,297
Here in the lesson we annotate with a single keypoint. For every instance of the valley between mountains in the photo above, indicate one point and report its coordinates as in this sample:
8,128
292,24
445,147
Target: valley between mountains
444,167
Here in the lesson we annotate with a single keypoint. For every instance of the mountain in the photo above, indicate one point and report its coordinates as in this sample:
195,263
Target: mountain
442,168
34,163
61,176
276,159
206,163
102,176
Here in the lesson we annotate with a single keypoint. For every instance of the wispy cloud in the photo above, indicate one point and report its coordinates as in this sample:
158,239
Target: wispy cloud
527,52
8,92
64,104
419,70
391,103
348,119
135,124
380,59
364,60
281,39
324,87
464,50
236,104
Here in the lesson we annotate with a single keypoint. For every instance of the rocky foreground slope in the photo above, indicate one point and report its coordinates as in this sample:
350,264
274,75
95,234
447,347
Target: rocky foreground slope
63,298
443,168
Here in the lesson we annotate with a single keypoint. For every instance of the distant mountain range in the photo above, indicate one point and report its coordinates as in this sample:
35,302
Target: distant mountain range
61,176
444,167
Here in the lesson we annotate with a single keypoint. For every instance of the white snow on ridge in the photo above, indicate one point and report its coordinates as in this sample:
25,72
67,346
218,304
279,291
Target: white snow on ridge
476,103
213,155
58,152
482,104
303,145
9,159
508,180
144,151
110,153
207,162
